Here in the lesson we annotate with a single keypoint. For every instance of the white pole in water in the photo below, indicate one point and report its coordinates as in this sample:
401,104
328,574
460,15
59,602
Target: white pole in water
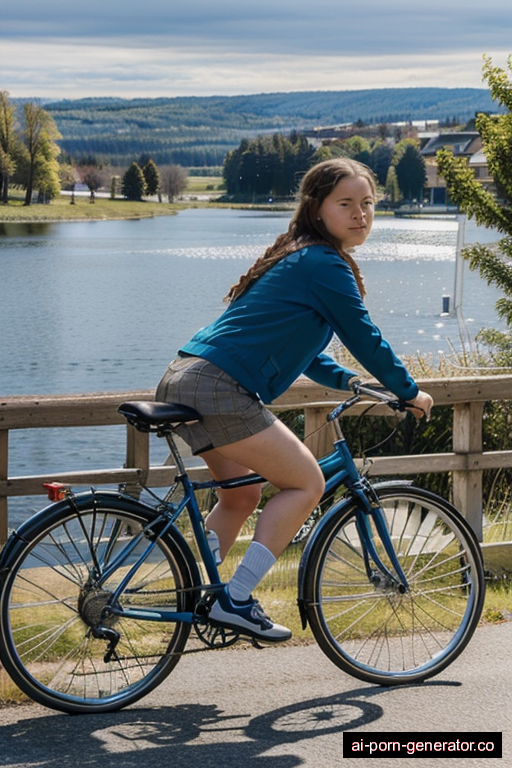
459,279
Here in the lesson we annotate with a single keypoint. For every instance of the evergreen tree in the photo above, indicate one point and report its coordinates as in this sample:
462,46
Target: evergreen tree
380,160
411,174
267,166
151,177
489,207
134,185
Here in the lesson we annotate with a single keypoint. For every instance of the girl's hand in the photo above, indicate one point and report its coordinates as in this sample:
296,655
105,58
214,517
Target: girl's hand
421,405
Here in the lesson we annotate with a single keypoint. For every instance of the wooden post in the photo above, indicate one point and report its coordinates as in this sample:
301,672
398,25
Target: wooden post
467,484
318,434
137,456
4,465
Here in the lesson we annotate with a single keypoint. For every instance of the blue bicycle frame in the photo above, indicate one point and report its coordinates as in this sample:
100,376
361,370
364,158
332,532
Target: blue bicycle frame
339,469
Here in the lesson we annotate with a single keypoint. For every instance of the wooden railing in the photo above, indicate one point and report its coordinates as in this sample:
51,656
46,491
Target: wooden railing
466,462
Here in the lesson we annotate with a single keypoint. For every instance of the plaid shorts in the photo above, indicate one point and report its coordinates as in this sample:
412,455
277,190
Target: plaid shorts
229,411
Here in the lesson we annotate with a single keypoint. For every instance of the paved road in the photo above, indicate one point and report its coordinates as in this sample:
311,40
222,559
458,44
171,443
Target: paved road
276,708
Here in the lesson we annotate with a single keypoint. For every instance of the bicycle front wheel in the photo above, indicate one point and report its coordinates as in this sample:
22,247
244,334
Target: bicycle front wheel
54,640
369,628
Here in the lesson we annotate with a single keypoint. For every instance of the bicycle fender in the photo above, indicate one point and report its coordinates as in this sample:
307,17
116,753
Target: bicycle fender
36,524
31,527
337,508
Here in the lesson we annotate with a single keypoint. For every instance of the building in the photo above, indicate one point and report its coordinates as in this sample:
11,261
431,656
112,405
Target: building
466,144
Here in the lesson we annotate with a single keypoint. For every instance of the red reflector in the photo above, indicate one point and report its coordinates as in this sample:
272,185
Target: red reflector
56,491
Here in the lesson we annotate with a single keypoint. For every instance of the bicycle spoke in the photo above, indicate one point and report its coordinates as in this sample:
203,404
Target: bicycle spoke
369,626
61,646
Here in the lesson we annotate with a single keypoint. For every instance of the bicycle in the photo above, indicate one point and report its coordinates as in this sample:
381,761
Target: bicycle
100,591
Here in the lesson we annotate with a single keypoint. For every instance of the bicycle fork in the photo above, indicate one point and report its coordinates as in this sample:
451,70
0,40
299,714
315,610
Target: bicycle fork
369,508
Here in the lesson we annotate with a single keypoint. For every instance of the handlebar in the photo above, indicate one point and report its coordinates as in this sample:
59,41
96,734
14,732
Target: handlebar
377,393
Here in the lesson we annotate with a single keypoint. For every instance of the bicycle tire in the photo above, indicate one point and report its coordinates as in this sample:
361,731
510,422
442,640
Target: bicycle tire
49,605
375,633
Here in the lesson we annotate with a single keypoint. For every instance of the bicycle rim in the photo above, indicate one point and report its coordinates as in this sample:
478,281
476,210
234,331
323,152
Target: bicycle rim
374,632
52,602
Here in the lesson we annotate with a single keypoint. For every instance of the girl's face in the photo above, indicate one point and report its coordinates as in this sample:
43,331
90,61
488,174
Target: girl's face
347,212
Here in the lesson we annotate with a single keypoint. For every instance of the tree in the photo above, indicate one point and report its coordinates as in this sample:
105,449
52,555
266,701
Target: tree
69,178
392,189
134,185
152,177
115,182
383,130
380,160
93,178
491,208
327,151
40,134
46,171
411,174
174,181
8,143
267,166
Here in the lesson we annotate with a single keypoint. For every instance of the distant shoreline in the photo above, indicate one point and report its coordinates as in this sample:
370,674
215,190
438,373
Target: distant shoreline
58,211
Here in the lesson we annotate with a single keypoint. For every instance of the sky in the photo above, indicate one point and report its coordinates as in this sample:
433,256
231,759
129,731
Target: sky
62,49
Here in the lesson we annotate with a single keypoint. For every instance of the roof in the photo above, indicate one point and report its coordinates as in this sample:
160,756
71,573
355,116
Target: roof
478,158
460,142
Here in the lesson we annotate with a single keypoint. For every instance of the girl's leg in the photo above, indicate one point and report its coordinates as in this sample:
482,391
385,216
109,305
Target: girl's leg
277,455
234,505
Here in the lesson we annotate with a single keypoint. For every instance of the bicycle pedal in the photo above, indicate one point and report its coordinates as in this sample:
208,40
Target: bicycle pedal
201,611
204,604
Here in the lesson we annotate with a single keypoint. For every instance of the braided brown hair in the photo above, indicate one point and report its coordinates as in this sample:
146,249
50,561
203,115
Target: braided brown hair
305,227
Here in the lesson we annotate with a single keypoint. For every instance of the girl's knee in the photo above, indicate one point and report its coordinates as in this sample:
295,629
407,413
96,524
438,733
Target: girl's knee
314,481
317,488
311,489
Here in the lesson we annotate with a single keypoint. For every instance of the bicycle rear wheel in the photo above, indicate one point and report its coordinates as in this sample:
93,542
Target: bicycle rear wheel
374,632
52,603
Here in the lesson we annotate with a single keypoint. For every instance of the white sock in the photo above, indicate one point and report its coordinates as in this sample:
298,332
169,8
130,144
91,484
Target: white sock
213,543
257,561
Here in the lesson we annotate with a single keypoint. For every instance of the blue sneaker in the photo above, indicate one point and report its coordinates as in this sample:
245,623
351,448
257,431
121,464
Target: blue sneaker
249,619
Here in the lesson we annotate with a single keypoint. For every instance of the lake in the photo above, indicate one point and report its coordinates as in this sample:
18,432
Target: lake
103,306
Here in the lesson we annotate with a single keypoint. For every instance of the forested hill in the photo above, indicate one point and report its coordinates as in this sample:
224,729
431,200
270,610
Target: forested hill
196,131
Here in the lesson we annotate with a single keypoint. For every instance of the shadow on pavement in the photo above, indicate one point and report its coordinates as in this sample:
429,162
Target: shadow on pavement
185,735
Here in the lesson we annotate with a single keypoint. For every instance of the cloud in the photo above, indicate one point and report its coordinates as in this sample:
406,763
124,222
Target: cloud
123,47
65,70
321,27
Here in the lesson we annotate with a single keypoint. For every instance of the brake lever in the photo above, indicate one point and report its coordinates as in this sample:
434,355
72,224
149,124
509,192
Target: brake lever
404,405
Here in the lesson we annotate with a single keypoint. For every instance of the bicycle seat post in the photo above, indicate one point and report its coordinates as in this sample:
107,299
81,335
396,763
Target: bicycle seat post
180,466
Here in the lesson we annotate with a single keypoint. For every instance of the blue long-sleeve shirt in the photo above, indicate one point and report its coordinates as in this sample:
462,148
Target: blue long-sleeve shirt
278,328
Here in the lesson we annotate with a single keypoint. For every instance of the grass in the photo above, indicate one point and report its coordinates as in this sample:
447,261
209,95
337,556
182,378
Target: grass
61,209
278,593
204,185
103,208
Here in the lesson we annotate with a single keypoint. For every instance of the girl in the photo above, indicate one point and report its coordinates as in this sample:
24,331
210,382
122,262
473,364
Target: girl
282,314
